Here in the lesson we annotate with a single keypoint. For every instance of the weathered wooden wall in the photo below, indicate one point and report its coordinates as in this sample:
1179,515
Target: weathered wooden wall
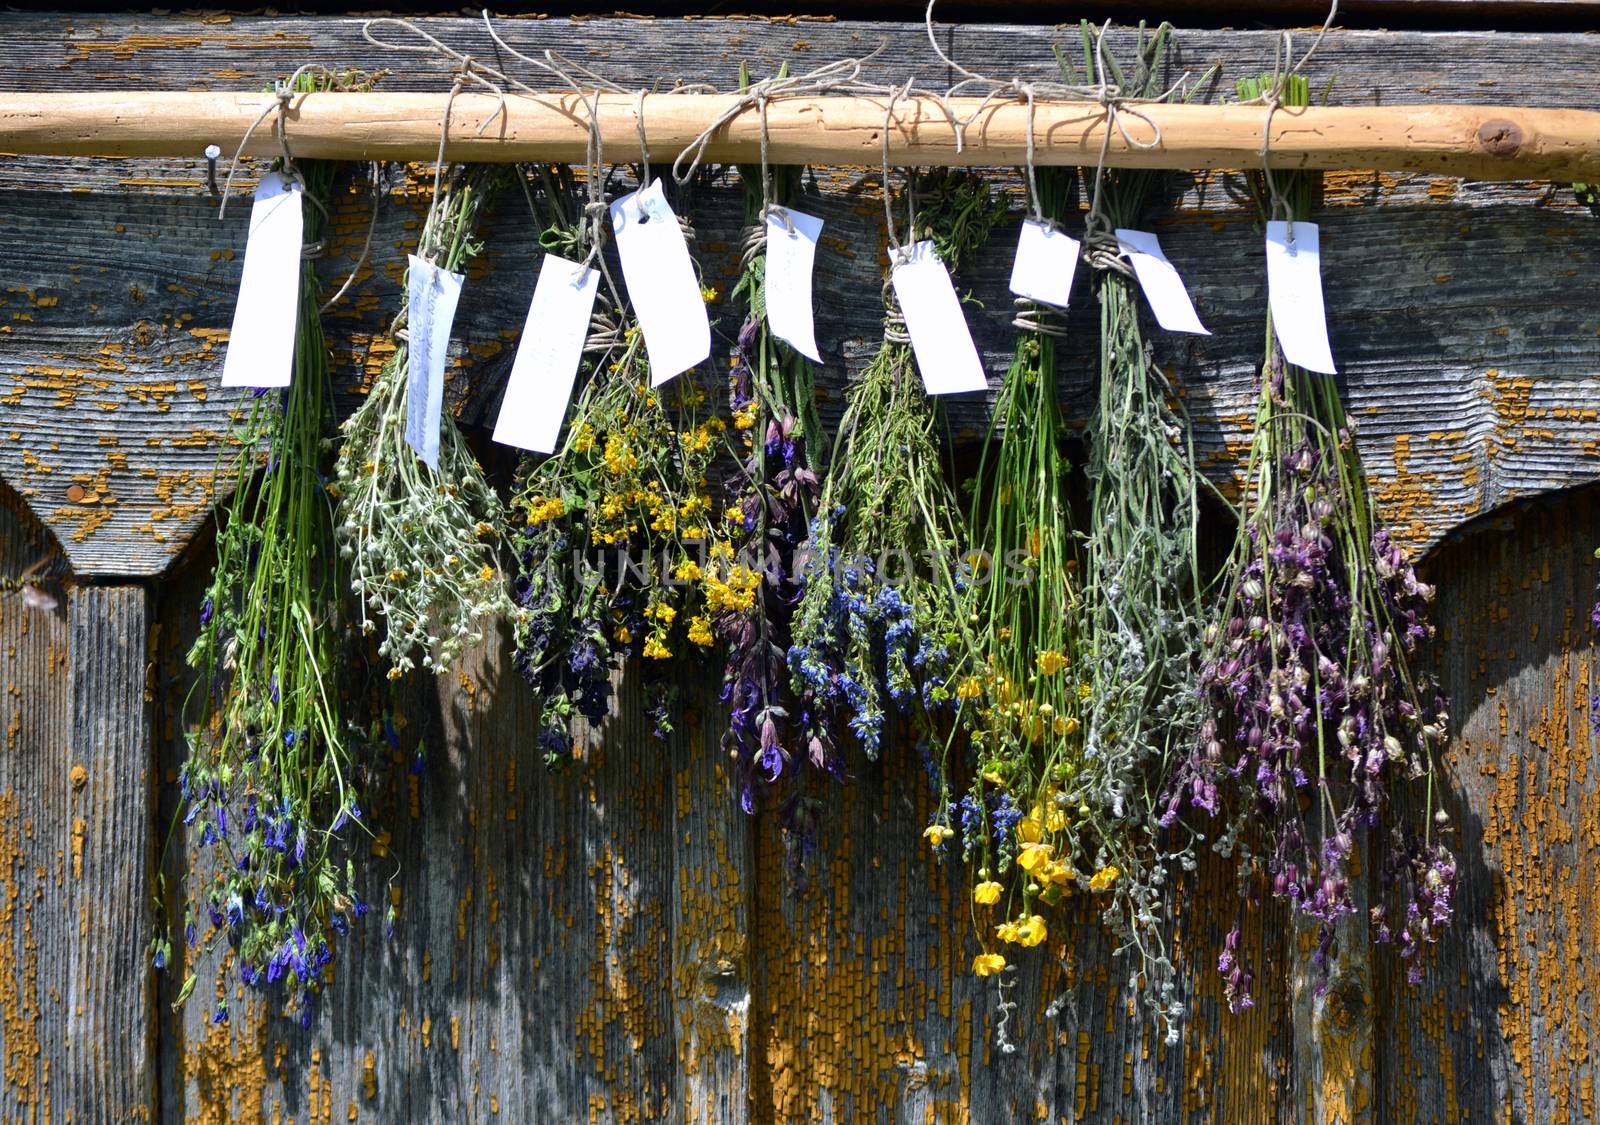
616,943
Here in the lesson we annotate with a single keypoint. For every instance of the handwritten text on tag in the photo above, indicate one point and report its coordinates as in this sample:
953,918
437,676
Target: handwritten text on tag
547,356
1294,294
791,256
430,310
946,356
261,345
1045,263
661,283
1162,286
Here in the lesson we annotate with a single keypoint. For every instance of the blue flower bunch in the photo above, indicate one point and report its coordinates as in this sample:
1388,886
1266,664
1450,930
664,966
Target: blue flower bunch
277,756
880,625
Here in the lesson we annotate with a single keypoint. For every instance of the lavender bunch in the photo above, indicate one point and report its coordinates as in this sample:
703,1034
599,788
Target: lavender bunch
880,618
276,758
773,498
1318,716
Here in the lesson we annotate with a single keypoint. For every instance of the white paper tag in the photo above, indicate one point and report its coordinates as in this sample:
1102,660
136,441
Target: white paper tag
547,356
946,356
1045,264
661,283
1162,286
1294,293
433,293
261,345
791,256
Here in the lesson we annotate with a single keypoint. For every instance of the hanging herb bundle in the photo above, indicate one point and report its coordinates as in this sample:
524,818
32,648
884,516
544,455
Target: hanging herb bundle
422,542
1318,715
880,613
1086,681
620,548
1141,584
1022,701
774,497
275,762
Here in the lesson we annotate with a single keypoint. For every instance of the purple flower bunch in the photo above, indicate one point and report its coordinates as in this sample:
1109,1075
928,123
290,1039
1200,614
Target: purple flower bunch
1318,714
772,497
563,649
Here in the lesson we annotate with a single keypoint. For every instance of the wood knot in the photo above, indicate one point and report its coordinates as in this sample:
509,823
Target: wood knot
1500,137
76,493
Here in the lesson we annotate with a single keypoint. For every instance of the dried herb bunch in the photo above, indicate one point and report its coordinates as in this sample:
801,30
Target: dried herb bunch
276,757
1318,714
620,547
422,543
1141,583
880,619
1019,820
773,498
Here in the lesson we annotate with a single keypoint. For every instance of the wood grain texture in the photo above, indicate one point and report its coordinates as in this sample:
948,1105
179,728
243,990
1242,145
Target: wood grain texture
1504,1027
1495,142
1472,391
75,849
109,1069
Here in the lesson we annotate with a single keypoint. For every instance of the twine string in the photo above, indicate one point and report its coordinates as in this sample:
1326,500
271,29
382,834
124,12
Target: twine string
1284,67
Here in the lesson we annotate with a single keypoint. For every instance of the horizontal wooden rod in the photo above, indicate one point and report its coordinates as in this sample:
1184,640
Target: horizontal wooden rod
1474,142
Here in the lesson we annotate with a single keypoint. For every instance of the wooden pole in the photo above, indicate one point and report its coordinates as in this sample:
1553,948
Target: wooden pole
1475,142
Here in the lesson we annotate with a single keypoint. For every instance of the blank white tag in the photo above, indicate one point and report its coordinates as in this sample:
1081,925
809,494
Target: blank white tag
791,256
661,283
430,311
1294,293
1045,264
547,356
1162,286
946,356
261,345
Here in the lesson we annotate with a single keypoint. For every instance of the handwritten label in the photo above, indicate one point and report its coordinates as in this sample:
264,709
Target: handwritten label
791,258
661,283
431,309
1045,264
261,345
946,355
1159,279
1294,294
547,356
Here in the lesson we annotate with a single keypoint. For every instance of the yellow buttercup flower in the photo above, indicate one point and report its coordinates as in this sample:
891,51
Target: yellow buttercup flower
969,688
1050,662
1032,931
687,571
937,834
987,964
1101,880
1032,857
986,893
654,649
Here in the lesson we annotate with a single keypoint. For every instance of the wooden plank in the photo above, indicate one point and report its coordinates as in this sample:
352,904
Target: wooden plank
712,919
118,318
1476,142
108,1072
1469,391
75,847
36,930
1504,1025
